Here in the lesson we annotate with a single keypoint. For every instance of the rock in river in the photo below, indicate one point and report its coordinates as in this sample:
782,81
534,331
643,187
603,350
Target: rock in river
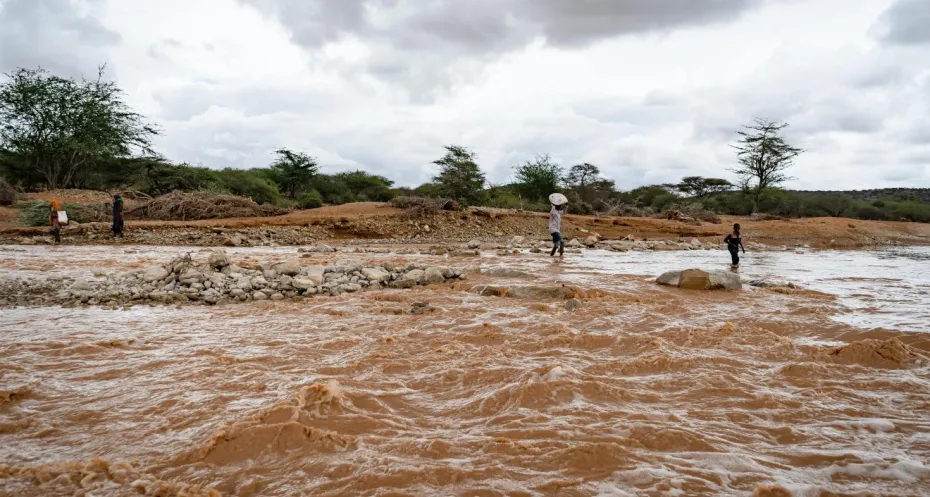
698,279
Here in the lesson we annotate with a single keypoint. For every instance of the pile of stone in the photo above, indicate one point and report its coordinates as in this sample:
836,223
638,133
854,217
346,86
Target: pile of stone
220,282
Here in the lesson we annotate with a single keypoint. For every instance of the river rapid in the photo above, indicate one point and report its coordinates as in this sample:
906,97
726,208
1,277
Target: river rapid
818,389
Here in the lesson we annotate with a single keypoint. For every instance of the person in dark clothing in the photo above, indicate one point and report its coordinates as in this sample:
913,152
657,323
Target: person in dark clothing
118,215
53,208
734,243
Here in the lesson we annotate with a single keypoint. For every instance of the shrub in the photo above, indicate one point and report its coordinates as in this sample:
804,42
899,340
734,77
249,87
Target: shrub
626,210
7,193
37,214
310,200
697,211
417,206
910,210
870,212
251,183
504,198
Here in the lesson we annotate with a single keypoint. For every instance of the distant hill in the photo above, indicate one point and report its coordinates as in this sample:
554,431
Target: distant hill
922,194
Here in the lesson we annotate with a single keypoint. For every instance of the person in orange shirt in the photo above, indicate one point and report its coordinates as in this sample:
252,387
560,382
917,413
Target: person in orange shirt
53,208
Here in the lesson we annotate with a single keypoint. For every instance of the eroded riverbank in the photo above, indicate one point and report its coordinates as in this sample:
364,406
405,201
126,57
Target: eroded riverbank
637,390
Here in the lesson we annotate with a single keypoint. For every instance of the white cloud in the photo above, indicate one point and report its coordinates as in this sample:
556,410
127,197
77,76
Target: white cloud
650,93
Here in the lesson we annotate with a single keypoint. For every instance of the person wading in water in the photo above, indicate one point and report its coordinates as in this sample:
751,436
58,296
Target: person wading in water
53,209
555,223
118,215
734,243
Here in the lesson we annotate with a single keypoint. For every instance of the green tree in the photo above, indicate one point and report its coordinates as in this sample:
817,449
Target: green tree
537,179
160,177
582,175
763,157
589,187
60,126
366,187
701,188
460,178
294,172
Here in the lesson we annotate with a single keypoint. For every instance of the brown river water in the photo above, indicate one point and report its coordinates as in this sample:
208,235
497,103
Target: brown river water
643,390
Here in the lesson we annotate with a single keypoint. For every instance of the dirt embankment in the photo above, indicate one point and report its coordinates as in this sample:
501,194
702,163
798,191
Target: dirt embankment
375,221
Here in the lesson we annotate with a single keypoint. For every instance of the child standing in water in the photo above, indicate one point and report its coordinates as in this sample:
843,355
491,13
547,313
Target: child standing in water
734,243
555,229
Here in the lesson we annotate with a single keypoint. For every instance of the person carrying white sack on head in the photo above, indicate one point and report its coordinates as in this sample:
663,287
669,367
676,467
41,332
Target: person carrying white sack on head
559,203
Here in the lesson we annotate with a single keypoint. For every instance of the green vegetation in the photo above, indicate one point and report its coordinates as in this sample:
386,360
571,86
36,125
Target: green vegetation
310,200
460,178
59,128
62,133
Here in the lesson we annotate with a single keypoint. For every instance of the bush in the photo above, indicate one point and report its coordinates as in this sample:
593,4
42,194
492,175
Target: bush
504,198
910,210
37,214
626,210
161,178
7,193
181,206
366,187
870,212
417,206
251,183
697,211
310,200
333,190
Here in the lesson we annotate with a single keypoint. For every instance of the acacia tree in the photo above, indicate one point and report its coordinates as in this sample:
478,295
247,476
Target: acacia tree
763,157
538,178
293,171
460,178
586,181
59,126
701,188
581,175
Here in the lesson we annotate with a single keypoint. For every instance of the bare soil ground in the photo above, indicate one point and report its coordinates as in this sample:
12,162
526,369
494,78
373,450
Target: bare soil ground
370,220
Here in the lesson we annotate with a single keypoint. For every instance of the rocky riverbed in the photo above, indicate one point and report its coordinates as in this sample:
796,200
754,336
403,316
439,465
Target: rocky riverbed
219,281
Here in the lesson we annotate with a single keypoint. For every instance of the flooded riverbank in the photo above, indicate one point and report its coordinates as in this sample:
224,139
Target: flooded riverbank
642,390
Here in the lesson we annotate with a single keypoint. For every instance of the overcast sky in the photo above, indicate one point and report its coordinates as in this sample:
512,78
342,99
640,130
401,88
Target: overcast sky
649,90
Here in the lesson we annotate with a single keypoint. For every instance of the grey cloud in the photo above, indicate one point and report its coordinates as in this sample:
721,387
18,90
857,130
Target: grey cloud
52,34
415,42
572,23
906,22
482,24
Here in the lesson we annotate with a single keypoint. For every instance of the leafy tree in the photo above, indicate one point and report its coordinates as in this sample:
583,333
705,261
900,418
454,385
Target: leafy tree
60,126
294,171
460,178
701,188
160,177
581,175
365,186
763,157
586,181
832,205
538,178
646,196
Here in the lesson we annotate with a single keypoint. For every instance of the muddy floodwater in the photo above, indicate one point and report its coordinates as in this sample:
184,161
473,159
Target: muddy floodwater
818,389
